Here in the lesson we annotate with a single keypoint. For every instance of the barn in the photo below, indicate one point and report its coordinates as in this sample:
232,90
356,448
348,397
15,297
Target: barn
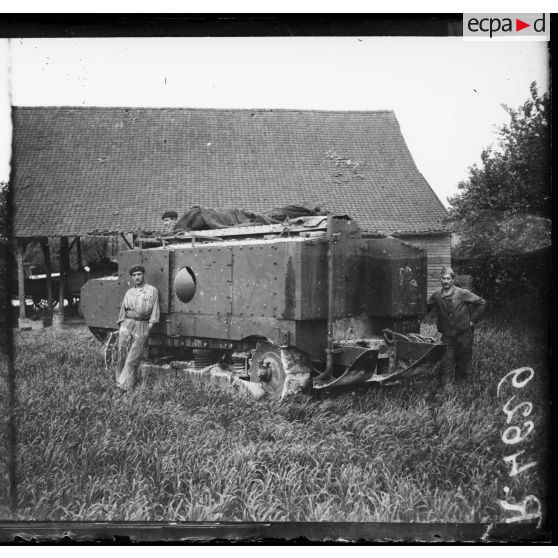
80,171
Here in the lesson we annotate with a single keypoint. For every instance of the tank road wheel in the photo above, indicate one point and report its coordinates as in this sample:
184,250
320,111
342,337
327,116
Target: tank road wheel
280,371
267,369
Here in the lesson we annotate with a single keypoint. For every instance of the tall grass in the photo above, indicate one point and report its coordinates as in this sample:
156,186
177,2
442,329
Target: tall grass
5,446
173,451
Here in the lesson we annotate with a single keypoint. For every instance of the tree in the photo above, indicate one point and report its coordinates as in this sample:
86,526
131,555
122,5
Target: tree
3,209
502,212
5,255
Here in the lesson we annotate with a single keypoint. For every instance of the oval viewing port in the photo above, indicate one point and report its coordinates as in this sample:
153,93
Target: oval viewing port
185,284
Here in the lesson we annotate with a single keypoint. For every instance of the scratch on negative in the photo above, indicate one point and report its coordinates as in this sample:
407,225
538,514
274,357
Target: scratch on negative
489,528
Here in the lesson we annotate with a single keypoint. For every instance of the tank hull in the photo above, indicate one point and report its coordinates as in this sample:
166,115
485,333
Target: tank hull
319,304
273,289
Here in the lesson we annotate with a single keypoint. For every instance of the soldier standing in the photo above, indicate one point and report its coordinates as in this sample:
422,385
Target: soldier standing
457,310
138,313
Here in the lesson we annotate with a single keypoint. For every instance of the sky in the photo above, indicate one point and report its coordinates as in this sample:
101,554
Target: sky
446,92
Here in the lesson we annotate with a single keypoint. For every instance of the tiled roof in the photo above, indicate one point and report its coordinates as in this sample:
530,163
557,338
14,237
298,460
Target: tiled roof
77,170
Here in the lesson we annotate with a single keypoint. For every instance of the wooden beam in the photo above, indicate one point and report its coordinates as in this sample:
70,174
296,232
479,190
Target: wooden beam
67,291
20,279
63,273
77,240
48,271
126,241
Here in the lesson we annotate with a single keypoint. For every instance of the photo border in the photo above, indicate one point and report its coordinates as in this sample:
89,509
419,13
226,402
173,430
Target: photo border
262,25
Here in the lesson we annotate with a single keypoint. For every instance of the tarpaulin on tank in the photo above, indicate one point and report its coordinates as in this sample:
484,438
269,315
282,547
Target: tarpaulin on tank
203,218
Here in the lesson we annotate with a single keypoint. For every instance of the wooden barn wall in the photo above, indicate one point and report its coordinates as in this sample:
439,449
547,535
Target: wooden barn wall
438,248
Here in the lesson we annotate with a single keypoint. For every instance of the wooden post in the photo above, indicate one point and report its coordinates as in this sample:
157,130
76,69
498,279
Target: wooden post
63,274
20,279
48,271
78,253
67,291
134,238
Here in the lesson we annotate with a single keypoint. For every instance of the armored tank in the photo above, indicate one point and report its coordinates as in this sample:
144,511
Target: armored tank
310,304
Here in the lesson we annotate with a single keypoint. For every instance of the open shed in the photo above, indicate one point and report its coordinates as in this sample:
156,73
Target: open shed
80,171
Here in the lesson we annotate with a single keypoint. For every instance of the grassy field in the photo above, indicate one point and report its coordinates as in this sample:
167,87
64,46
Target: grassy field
412,452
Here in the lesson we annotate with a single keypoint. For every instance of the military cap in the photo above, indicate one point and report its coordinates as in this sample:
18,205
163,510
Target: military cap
170,214
136,268
447,271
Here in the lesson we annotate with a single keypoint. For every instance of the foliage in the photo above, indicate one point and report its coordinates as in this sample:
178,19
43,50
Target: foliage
5,346
5,261
3,210
177,452
503,209
515,285
514,177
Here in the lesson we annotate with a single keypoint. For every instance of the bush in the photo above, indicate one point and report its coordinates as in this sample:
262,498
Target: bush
512,284
502,214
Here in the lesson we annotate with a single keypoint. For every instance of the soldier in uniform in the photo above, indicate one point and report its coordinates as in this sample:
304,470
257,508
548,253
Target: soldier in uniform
457,310
138,313
169,220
